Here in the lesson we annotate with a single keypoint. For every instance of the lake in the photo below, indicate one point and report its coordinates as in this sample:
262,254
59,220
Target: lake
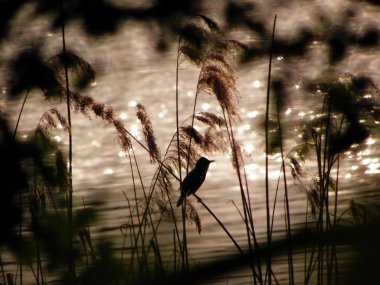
131,71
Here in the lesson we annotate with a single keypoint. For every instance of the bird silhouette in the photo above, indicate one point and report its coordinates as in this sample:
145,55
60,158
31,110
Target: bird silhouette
194,179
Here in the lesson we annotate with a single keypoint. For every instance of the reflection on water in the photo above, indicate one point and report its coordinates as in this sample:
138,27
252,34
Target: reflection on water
131,72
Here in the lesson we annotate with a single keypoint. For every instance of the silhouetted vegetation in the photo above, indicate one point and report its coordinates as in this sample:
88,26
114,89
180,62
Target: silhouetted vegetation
51,238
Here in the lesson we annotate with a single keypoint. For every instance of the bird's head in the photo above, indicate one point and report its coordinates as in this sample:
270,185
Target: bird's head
203,162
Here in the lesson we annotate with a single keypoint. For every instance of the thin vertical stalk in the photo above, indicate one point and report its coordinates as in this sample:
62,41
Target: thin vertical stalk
244,200
324,200
177,109
20,195
287,214
70,166
20,113
188,160
138,214
2,270
175,253
20,226
122,256
135,196
185,260
134,238
288,223
149,215
253,232
269,235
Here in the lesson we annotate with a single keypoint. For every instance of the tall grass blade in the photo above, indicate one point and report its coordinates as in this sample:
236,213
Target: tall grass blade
269,234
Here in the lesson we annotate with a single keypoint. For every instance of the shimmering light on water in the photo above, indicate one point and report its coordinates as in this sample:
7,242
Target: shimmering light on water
96,143
132,103
301,114
108,171
366,161
363,153
370,141
279,159
256,84
123,116
244,128
205,106
107,160
272,175
252,114
135,130
248,148
372,171
252,170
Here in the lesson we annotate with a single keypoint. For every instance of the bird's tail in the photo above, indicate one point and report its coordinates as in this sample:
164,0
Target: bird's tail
180,200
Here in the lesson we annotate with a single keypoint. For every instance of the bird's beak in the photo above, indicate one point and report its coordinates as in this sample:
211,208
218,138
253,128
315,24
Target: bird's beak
212,161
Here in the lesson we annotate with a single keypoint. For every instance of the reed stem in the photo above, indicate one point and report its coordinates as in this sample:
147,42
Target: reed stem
269,234
70,158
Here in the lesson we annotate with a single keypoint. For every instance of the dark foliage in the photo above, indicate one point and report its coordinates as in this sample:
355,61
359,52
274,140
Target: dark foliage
99,17
16,178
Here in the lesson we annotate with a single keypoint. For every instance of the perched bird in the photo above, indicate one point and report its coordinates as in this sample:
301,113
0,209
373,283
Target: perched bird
194,179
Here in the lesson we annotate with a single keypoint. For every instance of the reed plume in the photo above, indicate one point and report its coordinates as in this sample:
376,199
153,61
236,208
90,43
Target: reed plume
81,73
147,128
50,78
210,119
217,76
196,38
48,121
193,216
215,140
